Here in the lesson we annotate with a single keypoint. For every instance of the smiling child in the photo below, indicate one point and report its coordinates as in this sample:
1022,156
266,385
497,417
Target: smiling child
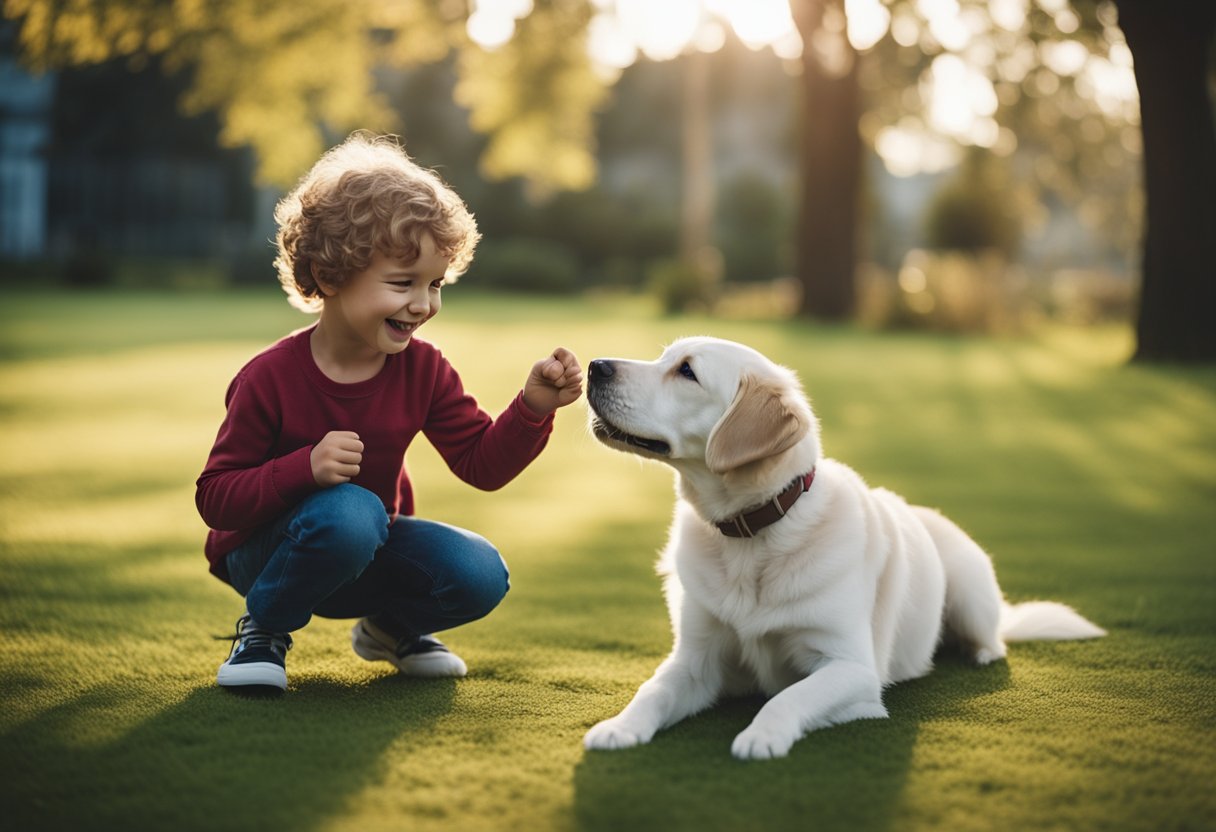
305,491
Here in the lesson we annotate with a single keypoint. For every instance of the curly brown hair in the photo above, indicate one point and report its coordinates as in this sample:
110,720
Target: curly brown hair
365,196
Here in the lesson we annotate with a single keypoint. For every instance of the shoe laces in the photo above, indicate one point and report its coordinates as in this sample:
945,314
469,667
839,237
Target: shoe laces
421,644
409,644
250,635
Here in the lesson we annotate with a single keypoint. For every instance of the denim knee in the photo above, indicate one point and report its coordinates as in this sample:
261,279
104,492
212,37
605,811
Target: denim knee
344,521
481,582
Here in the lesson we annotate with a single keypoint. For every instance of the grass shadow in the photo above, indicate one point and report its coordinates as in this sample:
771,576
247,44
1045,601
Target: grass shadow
846,777
214,760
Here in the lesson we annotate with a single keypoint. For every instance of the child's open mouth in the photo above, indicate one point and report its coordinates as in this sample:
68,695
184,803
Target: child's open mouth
400,329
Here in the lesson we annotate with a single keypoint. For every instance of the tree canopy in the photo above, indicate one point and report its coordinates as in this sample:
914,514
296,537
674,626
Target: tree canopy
288,77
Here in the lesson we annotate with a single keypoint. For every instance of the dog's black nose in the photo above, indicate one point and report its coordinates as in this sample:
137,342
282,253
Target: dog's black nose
601,369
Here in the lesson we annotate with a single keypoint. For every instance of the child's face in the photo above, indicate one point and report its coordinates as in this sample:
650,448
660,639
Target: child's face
383,305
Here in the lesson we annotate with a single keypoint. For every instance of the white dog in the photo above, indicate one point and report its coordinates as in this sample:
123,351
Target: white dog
784,573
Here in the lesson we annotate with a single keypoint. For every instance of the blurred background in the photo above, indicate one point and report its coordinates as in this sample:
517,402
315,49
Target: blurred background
845,185
944,164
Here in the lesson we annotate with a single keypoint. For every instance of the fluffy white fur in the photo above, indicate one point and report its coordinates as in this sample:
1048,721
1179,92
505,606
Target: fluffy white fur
850,592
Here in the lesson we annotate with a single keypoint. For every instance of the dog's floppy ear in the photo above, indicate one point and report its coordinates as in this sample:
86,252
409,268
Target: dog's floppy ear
761,422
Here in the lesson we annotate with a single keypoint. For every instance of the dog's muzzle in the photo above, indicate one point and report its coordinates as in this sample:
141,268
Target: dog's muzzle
601,373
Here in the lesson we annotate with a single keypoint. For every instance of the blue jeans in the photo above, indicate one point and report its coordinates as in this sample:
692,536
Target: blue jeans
337,555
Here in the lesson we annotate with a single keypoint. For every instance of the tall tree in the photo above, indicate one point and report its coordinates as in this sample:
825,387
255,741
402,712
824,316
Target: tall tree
1172,42
830,163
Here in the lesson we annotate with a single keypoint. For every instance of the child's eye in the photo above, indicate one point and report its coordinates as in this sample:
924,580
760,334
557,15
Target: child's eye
686,371
437,284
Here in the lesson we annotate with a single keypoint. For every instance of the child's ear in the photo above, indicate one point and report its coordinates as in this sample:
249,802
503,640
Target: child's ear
326,289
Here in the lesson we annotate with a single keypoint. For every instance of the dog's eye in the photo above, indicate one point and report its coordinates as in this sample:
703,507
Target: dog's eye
686,371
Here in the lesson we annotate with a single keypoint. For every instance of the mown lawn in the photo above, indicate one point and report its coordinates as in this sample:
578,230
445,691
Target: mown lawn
1090,482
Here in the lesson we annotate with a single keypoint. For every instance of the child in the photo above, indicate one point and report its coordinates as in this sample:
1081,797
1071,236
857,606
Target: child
305,489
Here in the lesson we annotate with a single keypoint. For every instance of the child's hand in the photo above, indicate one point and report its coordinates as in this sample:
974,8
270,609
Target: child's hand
554,382
335,459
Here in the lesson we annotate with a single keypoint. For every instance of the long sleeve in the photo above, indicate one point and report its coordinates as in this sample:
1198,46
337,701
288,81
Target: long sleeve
486,453
243,485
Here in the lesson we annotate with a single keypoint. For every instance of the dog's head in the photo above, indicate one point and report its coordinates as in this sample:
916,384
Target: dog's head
704,403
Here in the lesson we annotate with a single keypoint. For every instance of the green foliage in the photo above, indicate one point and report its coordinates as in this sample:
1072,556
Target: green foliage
260,67
617,237
755,229
977,208
681,286
534,97
255,63
288,77
525,265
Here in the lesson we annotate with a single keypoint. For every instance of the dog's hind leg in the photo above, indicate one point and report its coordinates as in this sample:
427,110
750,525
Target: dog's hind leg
973,597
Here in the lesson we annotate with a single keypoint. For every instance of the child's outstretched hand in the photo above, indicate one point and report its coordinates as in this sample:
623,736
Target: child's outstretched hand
554,382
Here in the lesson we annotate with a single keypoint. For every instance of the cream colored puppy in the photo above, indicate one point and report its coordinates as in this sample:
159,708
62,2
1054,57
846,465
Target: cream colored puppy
785,573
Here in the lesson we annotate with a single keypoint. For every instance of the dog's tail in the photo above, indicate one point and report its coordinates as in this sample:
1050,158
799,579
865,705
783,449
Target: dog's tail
1045,621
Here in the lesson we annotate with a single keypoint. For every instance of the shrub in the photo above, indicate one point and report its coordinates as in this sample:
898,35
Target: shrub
525,265
949,292
976,210
682,286
754,229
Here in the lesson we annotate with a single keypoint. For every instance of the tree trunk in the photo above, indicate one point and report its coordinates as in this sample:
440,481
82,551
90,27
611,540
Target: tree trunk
830,168
1171,45
697,209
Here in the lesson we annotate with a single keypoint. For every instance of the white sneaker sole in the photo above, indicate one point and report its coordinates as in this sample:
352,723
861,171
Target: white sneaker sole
426,665
255,673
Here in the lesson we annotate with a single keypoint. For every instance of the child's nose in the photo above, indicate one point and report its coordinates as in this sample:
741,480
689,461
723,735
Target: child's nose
419,304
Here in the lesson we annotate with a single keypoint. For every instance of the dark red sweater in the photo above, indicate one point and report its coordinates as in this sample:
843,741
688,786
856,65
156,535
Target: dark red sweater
280,405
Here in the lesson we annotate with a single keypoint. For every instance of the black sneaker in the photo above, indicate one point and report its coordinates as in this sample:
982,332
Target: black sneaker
412,655
258,657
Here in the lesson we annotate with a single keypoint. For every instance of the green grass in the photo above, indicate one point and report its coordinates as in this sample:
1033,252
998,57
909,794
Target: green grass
1090,482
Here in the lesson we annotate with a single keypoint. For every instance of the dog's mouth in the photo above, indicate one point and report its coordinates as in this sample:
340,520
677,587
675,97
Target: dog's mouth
608,432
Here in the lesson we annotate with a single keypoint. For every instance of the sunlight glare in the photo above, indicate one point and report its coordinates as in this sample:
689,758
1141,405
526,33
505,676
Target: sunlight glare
959,96
950,32
1010,15
868,22
490,30
665,29
908,149
1120,55
1112,87
661,30
758,23
514,9
904,28
710,37
789,46
1064,57
492,22
609,44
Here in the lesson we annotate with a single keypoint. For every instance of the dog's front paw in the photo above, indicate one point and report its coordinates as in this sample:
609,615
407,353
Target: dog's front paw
615,733
763,743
